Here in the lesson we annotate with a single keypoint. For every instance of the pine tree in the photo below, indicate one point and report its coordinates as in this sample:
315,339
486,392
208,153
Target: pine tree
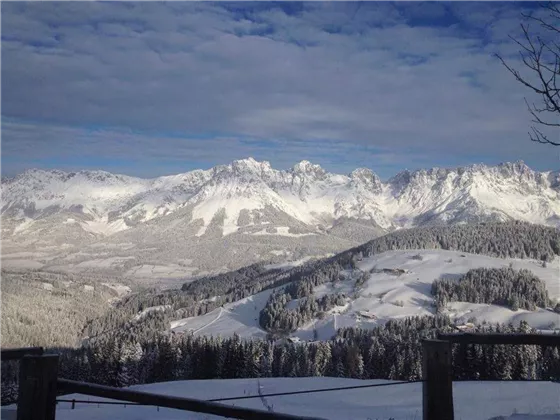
266,360
130,355
322,358
340,370
354,362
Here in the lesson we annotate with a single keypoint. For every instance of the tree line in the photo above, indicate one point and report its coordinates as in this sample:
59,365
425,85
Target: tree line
388,351
514,239
277,318
515,289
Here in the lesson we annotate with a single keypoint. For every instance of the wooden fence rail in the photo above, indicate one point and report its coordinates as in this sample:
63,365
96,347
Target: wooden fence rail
16,354
188,404
437,390
39,384
496,338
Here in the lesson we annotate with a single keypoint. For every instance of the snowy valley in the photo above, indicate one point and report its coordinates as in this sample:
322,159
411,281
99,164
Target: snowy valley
187,225
359,314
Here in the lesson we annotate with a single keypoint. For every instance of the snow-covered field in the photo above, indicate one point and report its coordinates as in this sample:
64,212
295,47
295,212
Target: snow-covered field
121,289
159,271
240,318
472,400
282,230
20,264
381,297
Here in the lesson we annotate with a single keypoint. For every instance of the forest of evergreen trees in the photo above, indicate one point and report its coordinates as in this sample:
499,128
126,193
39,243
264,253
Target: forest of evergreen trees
511,239
516,289
278,319
389,351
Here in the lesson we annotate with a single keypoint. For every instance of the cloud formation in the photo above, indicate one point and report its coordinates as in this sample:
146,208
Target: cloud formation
180,85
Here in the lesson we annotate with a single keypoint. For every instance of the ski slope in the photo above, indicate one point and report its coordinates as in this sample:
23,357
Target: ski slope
382,295
472,400
239,318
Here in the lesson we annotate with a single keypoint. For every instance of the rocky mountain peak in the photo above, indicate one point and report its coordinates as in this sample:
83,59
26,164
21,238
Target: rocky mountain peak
366,177
307,168
306,192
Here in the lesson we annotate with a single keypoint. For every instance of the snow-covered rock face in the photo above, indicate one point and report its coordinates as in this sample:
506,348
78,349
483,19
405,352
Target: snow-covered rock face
306,169
367,180
553,178
477,192
305,194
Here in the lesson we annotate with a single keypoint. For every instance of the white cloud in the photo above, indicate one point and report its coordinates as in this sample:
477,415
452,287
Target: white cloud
364,75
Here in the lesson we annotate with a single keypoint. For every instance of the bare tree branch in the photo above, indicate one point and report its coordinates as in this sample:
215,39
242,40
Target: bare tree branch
554,15
542,57
538,137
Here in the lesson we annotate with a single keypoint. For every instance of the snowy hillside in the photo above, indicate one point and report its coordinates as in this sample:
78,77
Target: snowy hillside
385,296
472,400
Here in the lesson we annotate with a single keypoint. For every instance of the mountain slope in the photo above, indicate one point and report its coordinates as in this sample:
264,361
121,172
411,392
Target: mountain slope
382,296
391,275
306,193
262,211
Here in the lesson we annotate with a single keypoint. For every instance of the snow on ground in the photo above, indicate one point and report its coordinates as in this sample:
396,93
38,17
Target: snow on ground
159,271
435,263
121,289
240,318
25,254
383,293
472,400
222,199
25,224
387,296
103,226
103,262
540,319
281,231
146,311
18,264
108,245
291,264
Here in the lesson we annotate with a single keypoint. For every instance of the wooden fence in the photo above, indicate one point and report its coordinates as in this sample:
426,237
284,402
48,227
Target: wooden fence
437,389
16,354
39,383
39,386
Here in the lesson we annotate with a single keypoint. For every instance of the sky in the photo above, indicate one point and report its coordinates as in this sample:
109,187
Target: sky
148,89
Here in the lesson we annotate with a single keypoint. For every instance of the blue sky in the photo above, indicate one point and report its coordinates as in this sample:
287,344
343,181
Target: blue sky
149,89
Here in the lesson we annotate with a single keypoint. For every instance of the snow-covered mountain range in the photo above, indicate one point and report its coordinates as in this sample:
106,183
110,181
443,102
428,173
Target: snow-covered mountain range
245,189
247,211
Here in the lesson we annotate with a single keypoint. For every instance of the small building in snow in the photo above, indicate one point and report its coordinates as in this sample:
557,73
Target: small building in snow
367,314
468,327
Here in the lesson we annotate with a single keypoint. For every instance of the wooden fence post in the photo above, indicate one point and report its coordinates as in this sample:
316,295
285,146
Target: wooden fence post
37,387
437,388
